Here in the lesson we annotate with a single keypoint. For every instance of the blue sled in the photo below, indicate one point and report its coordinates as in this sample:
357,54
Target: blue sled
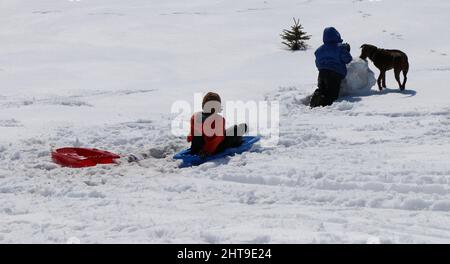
195,160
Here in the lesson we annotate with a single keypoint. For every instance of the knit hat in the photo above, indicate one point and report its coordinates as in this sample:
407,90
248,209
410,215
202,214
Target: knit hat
211,97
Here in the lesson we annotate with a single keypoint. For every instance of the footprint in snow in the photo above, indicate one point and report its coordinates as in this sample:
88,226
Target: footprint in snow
71,103
364,15
185,13
253,10
106,14
45,12
10,123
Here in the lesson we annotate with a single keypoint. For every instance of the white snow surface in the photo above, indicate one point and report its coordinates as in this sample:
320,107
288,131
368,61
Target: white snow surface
359,80
104,74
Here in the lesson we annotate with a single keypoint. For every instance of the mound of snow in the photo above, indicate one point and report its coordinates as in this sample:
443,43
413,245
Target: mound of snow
359,80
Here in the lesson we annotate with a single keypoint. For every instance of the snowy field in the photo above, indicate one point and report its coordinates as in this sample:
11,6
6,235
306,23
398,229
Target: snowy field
104,73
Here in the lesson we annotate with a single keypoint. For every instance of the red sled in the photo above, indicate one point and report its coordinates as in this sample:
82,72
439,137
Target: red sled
82,157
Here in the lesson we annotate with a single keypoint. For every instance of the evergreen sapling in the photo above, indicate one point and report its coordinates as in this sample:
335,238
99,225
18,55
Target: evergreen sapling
295,37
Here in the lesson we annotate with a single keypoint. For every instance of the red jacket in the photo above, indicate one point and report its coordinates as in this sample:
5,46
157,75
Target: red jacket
212,133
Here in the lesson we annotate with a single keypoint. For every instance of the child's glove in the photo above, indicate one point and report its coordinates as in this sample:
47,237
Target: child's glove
346,46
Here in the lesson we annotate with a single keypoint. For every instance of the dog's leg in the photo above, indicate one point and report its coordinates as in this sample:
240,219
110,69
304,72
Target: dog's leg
405,78
379,81
384,80
397,77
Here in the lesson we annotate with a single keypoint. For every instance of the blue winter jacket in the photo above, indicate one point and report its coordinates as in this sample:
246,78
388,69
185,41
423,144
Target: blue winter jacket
332,55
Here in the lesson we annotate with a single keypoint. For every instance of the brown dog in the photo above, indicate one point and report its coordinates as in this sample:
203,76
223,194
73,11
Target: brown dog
386,60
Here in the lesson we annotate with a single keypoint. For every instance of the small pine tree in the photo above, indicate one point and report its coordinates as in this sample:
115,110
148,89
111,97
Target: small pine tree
296,37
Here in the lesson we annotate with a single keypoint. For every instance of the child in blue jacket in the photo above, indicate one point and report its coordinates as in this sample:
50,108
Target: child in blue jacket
331,60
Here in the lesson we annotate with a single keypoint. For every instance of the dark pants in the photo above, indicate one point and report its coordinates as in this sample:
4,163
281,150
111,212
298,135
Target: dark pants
233,138
329,83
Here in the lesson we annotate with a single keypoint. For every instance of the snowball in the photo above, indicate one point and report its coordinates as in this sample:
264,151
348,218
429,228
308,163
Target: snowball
359,80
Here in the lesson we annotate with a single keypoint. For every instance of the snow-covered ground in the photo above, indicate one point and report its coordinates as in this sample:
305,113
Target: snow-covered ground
104,73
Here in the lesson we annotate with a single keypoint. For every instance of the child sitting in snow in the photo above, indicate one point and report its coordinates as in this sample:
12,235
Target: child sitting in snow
331,60
208,135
